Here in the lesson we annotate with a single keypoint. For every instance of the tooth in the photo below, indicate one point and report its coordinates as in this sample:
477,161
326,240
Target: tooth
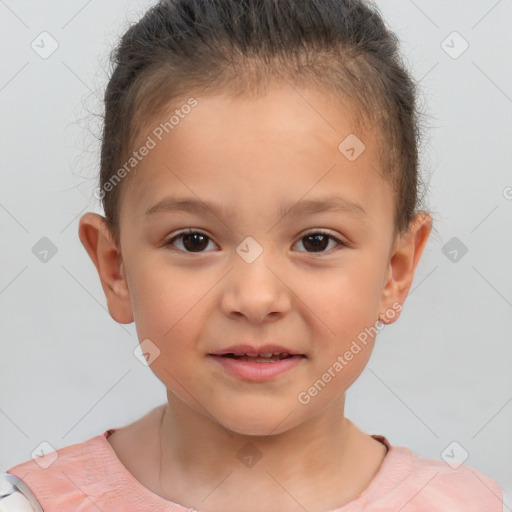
268,354
251,354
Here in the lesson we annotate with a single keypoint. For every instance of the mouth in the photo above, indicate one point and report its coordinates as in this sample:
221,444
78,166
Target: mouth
263,354
257,364
268,357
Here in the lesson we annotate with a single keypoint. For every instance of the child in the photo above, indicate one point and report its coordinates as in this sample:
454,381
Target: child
280,136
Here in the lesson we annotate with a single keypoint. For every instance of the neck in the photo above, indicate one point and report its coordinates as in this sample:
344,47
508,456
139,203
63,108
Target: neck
310,460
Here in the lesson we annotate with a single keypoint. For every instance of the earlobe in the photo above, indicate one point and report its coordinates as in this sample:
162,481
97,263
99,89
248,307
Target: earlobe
106,256
403,263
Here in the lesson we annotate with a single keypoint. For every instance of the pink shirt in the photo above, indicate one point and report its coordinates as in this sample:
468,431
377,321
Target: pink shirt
88,477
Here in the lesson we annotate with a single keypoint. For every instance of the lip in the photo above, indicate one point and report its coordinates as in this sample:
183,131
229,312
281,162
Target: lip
239,350
256,371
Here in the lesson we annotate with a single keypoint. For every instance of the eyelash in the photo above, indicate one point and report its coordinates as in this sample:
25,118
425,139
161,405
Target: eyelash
181,234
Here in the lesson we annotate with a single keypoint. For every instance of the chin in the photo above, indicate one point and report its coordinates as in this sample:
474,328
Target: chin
258,422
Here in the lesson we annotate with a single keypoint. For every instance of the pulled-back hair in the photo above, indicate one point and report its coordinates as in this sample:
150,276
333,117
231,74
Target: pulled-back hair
185,47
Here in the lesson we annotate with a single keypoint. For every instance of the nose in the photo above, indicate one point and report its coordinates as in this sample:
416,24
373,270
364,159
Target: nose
256,291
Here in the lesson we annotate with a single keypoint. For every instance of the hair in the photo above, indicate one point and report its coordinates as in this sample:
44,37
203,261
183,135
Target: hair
240,47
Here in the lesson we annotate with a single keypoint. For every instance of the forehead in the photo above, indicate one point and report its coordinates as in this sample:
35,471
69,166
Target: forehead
254,154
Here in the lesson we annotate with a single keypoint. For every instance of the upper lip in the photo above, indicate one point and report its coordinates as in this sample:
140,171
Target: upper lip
240,350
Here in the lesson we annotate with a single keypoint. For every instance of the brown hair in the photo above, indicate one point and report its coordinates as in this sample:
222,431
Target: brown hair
184,47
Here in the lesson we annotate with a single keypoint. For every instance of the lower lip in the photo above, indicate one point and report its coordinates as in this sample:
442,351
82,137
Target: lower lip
257,372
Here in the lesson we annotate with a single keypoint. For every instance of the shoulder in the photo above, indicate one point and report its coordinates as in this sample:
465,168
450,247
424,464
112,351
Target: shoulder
433,485
64,475
15,495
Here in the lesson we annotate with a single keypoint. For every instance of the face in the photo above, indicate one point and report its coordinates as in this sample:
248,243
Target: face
266,263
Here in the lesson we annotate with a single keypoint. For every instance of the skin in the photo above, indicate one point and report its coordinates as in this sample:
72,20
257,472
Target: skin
252,155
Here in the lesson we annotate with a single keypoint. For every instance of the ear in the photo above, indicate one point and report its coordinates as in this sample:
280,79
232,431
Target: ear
106,256
405,256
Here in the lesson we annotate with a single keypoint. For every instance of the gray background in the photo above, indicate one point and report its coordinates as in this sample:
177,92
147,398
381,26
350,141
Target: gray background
440,374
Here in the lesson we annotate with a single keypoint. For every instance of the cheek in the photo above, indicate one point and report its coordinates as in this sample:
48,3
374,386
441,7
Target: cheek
165,302
345,300
346,308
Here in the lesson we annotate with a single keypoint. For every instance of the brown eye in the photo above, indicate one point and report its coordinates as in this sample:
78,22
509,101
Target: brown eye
191,241
318,241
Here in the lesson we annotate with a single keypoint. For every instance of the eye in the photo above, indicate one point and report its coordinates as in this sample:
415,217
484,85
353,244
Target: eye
318,241
196,241
192,241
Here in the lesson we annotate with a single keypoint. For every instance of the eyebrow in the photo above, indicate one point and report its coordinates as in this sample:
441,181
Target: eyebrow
302,207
